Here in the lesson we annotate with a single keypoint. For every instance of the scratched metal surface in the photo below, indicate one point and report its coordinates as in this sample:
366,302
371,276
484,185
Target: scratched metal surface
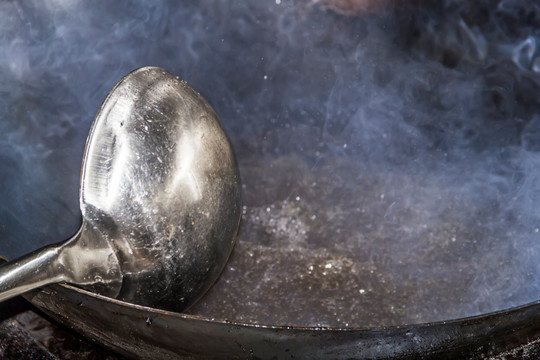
389,161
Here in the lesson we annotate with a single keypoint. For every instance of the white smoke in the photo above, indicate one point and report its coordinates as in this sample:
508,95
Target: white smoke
410,139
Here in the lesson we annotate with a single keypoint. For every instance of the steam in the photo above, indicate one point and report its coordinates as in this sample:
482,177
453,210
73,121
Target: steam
390,161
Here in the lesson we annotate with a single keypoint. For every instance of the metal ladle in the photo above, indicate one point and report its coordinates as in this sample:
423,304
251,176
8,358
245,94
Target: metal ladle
160,201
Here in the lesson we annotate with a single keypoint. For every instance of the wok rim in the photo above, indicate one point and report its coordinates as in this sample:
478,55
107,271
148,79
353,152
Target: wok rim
147,309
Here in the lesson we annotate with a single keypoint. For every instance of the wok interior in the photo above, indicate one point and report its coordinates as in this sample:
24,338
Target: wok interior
389,160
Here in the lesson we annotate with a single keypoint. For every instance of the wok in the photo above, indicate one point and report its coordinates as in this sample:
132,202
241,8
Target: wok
388,162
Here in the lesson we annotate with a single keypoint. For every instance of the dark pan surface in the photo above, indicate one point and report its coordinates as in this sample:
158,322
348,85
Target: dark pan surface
389,161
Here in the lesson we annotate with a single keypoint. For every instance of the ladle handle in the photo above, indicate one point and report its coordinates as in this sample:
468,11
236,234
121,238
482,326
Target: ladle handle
41,267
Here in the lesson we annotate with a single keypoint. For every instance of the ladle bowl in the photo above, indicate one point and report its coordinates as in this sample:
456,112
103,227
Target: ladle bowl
160,201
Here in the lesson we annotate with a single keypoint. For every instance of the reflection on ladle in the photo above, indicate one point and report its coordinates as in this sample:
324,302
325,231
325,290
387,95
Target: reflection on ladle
160,200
